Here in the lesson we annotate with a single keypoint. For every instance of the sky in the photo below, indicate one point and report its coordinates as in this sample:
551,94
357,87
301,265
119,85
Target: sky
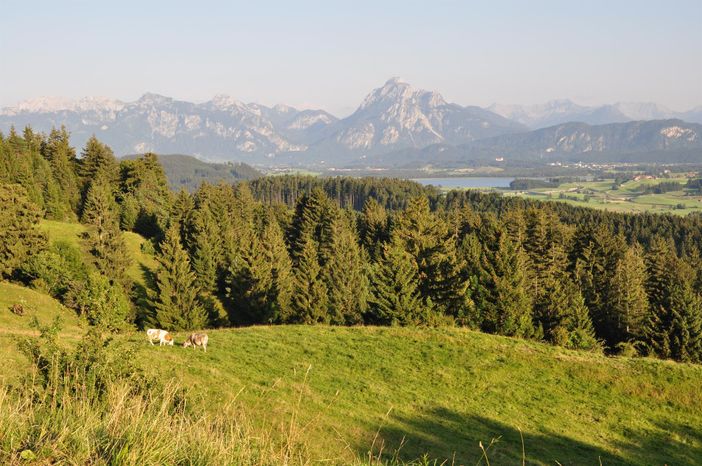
330,54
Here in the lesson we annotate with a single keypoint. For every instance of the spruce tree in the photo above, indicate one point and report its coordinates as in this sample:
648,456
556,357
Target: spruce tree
345,275
143,179
175,298
627,295
312,220
395,298
206,249
105,240
275,253
62,158
686,324
373,227
662,273
19,235
504,298
98,161
428,240
577,323
309,301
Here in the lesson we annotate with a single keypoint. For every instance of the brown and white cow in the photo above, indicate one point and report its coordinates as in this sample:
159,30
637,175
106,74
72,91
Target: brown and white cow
195,340
163,337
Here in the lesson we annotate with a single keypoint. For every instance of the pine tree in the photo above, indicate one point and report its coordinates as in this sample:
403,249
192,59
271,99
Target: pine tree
345,275
104,237
395,297
627,295
309,301
175,298
428,240
686,324
62,158
97,161
504,297
19,235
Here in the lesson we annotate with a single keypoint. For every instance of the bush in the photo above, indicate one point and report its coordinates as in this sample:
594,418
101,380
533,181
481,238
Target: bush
53,270
103,303
627,349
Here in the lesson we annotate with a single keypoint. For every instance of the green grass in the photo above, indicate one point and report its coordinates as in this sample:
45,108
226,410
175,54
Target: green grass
12,326
628,198
435,391
342,392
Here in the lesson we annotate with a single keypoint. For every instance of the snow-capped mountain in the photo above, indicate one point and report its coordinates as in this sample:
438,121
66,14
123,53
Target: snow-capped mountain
556,112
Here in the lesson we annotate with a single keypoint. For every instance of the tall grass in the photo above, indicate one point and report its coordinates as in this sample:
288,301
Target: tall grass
127,426
123,428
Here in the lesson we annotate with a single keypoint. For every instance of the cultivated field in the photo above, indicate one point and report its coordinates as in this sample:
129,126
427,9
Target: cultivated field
629,197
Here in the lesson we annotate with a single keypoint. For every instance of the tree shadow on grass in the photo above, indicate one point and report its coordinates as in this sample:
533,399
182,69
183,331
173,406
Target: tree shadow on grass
140,296
444,435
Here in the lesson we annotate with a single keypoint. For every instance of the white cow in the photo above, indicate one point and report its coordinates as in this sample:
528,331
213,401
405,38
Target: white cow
195,340
163,337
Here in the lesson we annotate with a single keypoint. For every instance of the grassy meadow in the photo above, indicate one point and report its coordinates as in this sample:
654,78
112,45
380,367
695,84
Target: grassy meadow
629,197
350,395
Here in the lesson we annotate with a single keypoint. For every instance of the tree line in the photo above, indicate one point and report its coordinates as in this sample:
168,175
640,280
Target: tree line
346,251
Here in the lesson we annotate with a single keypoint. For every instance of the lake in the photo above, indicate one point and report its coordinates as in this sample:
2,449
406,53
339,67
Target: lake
467,182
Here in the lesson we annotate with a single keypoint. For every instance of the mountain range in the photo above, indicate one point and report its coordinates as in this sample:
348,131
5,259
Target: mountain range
667,141
556,112
392,122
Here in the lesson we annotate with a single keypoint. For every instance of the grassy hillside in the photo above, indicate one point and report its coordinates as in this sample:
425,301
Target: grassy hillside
12,326
435,391
446,390
342,392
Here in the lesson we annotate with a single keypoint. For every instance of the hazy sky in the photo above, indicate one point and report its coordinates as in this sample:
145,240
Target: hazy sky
329,54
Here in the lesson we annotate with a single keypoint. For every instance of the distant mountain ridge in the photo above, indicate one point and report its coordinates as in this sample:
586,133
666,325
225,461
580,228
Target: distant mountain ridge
556,112
221,129
671,141
392,119
397,115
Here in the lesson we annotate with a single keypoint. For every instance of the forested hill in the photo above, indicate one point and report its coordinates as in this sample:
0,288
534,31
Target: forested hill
347,192
187,172
571,277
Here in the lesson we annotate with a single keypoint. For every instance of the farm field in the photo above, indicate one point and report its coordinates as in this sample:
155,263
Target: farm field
629,197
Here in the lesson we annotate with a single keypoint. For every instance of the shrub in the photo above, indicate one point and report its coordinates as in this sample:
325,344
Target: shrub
102,302
54,270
